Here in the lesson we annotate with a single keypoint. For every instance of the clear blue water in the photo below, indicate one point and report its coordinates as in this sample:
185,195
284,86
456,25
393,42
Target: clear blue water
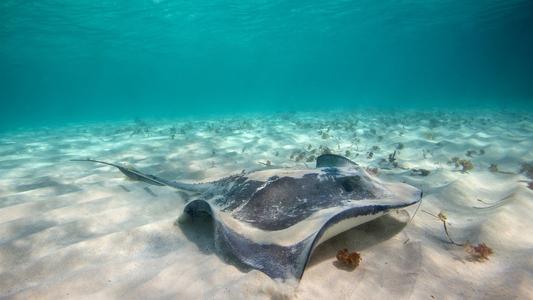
68,61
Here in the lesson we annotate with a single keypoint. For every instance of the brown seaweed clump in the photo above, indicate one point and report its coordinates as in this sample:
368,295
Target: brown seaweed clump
472,153
466,165
479,252
454,160
351,260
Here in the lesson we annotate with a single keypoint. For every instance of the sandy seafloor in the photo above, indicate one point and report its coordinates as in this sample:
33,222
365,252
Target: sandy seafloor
81,230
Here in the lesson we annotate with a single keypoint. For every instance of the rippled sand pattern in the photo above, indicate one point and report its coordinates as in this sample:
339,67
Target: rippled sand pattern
73,229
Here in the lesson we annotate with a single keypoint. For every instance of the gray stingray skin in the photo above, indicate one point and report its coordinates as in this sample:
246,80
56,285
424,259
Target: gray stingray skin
271,220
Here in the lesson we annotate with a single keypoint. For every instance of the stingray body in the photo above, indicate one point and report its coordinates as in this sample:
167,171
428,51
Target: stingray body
273,219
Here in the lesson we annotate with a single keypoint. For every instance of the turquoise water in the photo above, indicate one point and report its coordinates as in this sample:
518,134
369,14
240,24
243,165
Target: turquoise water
69,61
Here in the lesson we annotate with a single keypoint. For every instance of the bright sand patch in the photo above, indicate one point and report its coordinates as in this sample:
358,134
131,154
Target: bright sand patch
81,230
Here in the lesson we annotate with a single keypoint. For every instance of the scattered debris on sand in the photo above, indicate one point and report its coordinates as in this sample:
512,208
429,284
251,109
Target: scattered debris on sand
465,164
348,259
419,172
479,252
493,168
472,153
373,171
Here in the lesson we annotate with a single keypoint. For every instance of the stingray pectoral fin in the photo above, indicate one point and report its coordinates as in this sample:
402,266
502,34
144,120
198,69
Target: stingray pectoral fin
334,161
285,253
272,257
148,178
277,261
343,221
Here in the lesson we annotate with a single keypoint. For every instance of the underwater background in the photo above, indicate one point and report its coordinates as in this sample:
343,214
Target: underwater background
436,94
78,61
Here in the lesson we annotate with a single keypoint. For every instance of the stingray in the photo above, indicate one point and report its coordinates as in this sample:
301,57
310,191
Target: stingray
272,219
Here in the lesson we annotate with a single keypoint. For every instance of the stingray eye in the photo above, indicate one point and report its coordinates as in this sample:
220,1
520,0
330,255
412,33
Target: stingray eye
349,184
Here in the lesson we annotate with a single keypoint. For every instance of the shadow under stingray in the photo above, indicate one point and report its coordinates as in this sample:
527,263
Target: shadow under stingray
361,237
200,231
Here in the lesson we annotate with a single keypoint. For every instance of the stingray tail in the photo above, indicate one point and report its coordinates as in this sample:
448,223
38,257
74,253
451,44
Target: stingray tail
134,174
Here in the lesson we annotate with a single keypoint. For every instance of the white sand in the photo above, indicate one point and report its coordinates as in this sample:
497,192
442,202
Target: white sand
79,230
